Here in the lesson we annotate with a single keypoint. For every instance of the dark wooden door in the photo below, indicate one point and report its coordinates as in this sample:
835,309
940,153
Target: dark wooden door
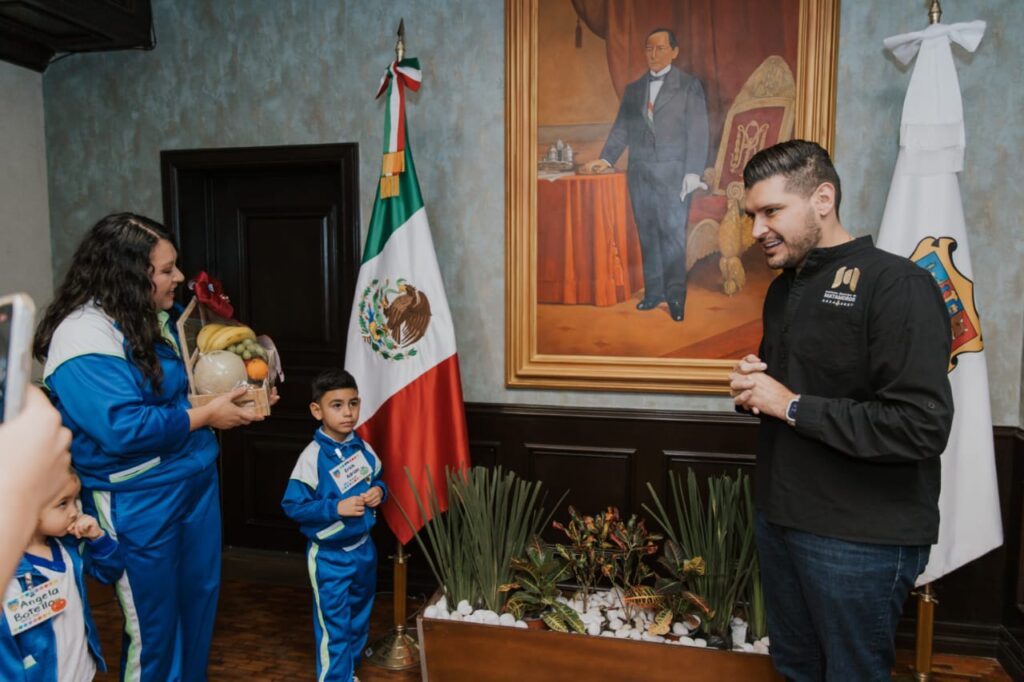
279,226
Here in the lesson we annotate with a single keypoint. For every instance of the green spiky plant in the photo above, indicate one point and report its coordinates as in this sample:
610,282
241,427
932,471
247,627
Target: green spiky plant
490,518
535,592
717,529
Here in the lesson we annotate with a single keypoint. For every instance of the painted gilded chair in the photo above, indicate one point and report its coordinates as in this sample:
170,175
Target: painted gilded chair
760,116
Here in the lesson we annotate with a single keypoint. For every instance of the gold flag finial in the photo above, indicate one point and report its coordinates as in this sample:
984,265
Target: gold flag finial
935,12
400,45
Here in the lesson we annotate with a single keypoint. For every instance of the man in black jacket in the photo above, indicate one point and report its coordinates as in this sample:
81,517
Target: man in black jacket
850,383
663,119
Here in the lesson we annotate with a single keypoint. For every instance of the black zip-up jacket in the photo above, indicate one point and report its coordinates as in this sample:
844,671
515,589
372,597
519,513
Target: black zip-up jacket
864,337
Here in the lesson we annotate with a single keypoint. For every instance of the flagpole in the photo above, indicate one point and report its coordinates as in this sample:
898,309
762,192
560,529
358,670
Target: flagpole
398,650
926,601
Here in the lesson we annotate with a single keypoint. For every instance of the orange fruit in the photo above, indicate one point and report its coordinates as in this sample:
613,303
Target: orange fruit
256,369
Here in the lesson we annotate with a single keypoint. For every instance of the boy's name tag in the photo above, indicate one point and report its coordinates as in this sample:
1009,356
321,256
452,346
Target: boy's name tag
34,606
351,471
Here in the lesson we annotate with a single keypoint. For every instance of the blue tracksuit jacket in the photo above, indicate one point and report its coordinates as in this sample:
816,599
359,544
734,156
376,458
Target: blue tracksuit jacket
341,558
32,655
151,483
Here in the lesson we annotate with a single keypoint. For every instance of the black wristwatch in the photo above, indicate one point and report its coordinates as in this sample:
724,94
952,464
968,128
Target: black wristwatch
791,411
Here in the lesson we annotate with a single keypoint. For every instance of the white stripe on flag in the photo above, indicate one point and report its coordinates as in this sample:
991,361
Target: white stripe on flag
408,254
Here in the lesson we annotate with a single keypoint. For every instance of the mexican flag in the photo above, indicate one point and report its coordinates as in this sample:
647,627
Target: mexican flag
401,342
924,221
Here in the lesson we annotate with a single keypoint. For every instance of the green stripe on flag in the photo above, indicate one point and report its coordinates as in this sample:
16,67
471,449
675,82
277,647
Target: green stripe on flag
390,214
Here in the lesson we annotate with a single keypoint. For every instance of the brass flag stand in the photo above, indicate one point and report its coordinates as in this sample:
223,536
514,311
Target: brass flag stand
399,649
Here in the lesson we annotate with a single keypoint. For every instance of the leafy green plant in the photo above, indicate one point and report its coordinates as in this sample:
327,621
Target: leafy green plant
590,549
634,543
490,518
717,529
535,591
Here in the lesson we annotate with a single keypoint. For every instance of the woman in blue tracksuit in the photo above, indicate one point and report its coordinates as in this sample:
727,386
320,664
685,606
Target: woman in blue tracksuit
147,459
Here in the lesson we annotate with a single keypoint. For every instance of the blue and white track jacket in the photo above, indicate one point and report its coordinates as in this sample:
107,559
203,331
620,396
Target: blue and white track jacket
126,436
32,655
312,496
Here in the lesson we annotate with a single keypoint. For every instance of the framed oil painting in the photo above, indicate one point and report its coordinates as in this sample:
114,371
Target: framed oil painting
629,259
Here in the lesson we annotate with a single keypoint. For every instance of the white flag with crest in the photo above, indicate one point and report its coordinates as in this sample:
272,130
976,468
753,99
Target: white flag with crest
924,220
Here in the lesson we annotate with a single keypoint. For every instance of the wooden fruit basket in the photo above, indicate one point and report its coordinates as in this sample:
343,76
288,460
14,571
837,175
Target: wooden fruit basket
192,319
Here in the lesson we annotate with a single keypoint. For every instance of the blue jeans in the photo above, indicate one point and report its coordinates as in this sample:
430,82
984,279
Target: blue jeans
833,605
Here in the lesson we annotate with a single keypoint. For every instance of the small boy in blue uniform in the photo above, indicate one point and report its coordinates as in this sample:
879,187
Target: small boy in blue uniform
47,633
333,492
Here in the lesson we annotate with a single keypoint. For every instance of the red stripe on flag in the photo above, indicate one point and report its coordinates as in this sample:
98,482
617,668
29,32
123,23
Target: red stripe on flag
422,425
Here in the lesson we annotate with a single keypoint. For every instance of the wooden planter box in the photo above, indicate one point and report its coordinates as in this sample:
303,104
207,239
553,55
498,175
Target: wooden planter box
191,321
455,651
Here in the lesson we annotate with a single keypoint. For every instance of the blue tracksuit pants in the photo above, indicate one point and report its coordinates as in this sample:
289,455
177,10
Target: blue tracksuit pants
171,540
343,582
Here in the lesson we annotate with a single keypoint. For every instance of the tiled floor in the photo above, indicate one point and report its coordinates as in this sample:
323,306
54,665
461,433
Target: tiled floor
264,633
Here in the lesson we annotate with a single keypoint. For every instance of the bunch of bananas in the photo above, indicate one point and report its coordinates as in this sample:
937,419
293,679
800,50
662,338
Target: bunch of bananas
217,336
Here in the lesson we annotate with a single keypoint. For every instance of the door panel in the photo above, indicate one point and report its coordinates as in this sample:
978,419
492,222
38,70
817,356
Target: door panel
279,227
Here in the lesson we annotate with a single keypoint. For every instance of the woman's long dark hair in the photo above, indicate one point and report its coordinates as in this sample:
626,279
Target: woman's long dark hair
112,267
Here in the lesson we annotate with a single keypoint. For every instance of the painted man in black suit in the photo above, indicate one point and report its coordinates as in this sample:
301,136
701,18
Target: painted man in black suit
663,119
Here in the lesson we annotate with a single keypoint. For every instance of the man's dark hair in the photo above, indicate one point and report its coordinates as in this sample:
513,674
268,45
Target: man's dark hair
672,42
804,164
332,380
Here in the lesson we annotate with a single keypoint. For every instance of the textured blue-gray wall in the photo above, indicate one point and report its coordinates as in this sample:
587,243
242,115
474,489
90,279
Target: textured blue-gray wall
271,72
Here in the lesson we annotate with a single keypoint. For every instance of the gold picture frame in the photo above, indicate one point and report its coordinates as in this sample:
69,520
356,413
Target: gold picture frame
526,365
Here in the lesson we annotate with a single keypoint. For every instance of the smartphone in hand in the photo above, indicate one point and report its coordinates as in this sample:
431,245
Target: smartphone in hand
17,325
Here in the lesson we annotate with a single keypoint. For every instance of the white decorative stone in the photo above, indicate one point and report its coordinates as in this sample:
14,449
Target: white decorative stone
687,641
607,633
648,637
614,624
507,619
700,643
464,608
764,640
748,647
521,624
635,634
622,634
442,604
679,629
759,648
430,612
739,631
594,629
455,615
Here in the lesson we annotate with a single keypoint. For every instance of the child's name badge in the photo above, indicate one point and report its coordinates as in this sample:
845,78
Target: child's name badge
351,471
34,606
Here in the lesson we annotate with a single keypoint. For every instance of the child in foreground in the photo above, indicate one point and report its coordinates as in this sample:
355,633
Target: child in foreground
333,494
48,633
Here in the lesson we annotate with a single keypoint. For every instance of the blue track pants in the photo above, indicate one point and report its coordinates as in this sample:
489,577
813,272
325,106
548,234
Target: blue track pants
171,539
